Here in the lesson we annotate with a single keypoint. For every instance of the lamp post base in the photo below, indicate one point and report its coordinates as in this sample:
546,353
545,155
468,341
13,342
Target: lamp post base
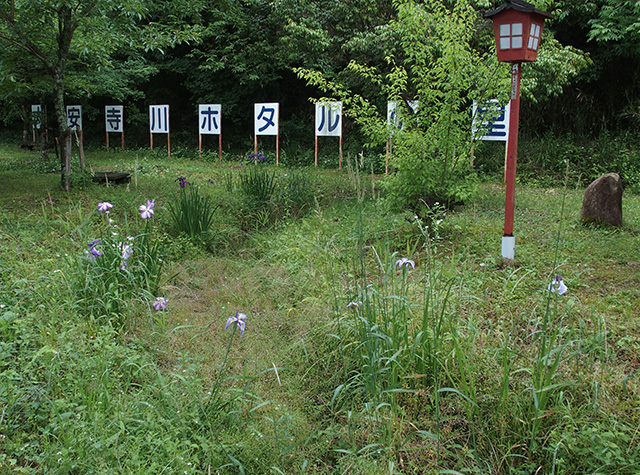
508,247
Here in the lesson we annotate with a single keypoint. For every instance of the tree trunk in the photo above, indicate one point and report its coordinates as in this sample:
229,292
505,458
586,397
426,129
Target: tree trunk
64,132
66,27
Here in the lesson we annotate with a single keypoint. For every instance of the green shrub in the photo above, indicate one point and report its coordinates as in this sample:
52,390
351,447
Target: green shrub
191,213
266,198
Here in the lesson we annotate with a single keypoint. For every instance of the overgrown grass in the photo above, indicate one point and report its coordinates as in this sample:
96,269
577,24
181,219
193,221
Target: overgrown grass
459,365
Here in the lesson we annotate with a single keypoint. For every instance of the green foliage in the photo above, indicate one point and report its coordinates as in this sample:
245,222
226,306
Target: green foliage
431,156
266,197
118,270
543,160
440,71
192,214
92,397
554,69
257,187
617,23
610,449
423,176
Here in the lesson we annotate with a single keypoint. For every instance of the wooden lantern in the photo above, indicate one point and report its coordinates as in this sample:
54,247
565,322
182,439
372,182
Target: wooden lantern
517,26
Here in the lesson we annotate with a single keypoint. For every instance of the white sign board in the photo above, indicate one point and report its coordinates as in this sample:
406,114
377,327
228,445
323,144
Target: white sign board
74,117
210,119
114,118
329,119
266,118
36,116
159,119
394,116
491,120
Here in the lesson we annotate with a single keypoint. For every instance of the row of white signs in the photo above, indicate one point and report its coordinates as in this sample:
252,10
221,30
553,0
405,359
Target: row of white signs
328,119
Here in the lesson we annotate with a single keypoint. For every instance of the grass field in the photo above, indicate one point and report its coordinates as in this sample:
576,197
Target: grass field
350,361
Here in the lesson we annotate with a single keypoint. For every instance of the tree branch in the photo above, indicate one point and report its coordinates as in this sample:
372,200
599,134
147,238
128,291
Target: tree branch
20,39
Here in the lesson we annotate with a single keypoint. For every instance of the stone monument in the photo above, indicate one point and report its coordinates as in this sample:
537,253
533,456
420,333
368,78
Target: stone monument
602,202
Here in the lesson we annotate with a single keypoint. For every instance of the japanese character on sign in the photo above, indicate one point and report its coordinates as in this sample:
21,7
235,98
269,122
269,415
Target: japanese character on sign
394,115
74,117
210,118
491,122
36,116
266,118
329,119
159,119
114,118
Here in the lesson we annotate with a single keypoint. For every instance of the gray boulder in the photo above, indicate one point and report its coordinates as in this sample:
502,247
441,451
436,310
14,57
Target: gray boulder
602,202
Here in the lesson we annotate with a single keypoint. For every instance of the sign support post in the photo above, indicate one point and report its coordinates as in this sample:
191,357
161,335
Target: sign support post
74,122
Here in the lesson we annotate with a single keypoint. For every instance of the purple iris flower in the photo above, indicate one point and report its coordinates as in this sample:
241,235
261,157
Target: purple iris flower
239,319
93,250
104,206
557,285
147,210
160,303
182,181
125,249
405,262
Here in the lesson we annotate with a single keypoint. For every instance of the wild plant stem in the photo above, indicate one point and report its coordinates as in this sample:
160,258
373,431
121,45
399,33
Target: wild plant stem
215,389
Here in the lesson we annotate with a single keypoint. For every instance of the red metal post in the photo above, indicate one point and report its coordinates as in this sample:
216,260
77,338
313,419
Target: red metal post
512,150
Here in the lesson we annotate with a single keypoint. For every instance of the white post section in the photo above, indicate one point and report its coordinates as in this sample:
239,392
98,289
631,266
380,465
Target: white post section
508,247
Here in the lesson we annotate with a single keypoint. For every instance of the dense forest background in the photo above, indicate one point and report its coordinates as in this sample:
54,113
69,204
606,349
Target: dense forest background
585,83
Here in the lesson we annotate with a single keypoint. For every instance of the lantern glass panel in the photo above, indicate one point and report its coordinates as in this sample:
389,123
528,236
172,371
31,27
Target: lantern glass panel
516,29
511,36
534,37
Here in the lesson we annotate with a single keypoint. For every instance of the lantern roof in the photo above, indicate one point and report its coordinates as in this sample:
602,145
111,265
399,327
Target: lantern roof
518,5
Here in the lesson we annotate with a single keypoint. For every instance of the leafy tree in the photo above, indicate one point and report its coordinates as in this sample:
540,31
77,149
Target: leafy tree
248,49
83,36
445,59
21,81
603,94
617,29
